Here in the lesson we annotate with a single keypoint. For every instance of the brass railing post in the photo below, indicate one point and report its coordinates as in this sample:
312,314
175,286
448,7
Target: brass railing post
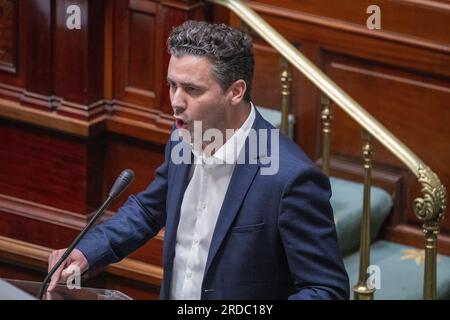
286,80
326,116
431,231
430,209
362,291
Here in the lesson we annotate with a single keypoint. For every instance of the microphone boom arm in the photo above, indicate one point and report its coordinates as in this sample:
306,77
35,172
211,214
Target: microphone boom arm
72,246
124,180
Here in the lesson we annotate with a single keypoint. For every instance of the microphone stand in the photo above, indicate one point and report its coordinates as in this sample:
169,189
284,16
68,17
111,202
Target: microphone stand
99,212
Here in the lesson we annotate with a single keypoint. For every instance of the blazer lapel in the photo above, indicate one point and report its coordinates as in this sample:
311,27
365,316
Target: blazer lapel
240,182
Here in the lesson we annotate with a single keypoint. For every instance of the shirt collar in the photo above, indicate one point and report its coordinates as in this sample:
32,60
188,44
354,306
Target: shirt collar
229,152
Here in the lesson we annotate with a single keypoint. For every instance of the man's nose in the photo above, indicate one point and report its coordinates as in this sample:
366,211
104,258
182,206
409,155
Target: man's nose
178,101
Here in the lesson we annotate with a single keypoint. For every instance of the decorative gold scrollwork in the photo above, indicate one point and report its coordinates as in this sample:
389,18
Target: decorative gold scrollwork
434,202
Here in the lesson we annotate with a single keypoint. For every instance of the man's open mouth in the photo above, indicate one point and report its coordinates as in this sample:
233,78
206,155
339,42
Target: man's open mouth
179,123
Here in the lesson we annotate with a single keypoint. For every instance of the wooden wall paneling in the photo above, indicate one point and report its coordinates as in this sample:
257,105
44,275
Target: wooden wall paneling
10,270
43,166
137,76
143,158
95,164
404,102
341,36
217,14
411,105
140,156
108,53
32,230
11,41
267,88
400,99
308,127
267,93
38,37
339,42
136,46
95,56
408,19
140,56
78,60
8,35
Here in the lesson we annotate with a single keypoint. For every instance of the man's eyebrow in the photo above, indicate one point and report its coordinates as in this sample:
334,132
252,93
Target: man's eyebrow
186,84
191,84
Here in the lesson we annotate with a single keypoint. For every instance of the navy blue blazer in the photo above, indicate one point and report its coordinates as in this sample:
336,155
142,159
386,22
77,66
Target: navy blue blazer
275,236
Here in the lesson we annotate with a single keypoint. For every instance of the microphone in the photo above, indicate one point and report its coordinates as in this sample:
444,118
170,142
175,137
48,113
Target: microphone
121,183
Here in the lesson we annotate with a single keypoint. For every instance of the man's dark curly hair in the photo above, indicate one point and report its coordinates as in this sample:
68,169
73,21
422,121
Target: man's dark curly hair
229,50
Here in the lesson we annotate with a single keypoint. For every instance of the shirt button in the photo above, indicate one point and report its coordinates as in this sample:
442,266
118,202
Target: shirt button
195,241
188,274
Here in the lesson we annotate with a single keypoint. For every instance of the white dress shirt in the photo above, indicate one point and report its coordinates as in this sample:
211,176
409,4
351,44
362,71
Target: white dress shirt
200,209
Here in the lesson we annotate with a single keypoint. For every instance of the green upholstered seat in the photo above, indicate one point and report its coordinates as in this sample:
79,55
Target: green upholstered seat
401,270
347,203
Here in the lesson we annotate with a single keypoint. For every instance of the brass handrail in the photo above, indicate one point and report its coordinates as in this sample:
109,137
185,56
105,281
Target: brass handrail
429,209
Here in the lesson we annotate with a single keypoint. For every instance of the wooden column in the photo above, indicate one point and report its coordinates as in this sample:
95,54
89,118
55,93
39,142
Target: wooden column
78,60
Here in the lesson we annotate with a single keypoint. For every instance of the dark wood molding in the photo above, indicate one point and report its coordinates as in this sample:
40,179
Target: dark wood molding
343,26
138,129
14,110
151,117
413,236
182,4
126,119
40,212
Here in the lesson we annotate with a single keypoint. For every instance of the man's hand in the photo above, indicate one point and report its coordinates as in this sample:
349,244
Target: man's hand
75,258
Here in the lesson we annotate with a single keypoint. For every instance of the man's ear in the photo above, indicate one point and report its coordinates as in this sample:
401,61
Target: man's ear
237,91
